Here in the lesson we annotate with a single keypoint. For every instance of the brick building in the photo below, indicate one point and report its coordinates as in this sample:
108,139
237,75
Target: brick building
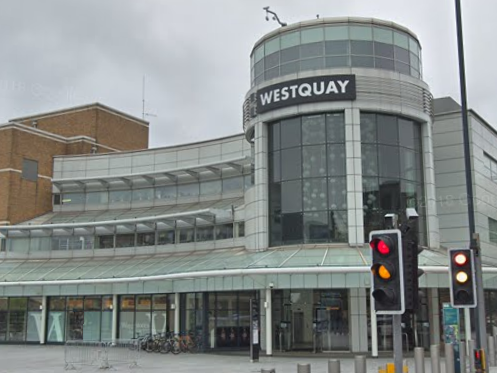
28,145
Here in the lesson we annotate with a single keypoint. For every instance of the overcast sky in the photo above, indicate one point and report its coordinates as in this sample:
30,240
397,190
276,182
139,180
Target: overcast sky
195,55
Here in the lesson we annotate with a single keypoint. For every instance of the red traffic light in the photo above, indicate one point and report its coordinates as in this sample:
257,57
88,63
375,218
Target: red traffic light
380,245
460,259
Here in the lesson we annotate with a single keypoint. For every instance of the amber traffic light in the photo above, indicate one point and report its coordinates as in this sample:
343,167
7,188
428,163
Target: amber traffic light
462,278
387,281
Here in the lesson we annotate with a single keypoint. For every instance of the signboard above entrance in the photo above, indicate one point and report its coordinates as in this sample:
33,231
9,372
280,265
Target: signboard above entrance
300,91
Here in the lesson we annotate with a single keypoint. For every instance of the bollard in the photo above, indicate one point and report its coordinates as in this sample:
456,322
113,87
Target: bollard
449,358
303,368
360,364
419,359
333,366
462,356
471,349
491,351
435,358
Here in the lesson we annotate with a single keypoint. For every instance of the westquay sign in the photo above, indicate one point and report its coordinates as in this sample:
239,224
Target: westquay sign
300,91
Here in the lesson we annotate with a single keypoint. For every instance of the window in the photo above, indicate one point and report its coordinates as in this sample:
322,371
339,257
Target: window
73,199
30,169
491,167
492,230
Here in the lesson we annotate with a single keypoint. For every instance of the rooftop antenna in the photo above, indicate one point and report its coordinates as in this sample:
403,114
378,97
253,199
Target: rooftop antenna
145,114
275,16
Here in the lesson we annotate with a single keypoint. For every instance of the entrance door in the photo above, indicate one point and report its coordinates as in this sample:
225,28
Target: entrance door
298,328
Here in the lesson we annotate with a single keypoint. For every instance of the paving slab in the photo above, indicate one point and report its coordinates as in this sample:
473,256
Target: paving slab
50,359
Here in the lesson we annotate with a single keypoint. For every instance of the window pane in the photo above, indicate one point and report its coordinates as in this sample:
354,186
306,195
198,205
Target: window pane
97,198
336,160
75,303
414,46
312,35
165,192
401,40
292,230
316,227
272,73
186,235
357,61
290,68
341,61
361,48
315,194
275,198
383,50
290,164
73,199
272,46
408,164
210,187
390,195
272,60
336,33
312,50
188,190
335,128
93,303
145,239
125,240
274,167
259,53
275,230
387,129
224,231
290,40
368,128
259,68
120,196
369,160
291,196
314,160
290,133
383,35
361,33
338,226
389,161
143,195
166,238
384,63
337,195
406,133
401,54
204,234
233,184
371,194
312,64
402,68
274,135
337,47
290,54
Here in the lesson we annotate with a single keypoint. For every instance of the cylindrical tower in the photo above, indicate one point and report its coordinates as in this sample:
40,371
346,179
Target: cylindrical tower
340,119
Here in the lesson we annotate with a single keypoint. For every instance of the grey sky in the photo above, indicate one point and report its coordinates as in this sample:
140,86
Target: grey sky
195,55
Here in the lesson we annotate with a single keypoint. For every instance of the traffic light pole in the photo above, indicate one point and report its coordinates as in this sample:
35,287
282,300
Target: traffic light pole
397,342
474,242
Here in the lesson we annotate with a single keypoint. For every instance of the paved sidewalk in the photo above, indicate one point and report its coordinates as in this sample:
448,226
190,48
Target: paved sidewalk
50,359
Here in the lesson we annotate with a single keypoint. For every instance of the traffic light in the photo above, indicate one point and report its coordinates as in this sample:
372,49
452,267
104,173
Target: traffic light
462,278
412,272
387,285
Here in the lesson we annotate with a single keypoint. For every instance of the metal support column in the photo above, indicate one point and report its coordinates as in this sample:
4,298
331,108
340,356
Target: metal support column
374,331
397,342
176,313
43,321
115,309
269,323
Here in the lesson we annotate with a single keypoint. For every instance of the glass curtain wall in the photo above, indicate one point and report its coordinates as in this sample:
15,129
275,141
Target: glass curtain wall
392,170
140,315
307,180
20,319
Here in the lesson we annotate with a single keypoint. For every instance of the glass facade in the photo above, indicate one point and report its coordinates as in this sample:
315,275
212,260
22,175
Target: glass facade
392,170
20,319
307,180
154,196
333,46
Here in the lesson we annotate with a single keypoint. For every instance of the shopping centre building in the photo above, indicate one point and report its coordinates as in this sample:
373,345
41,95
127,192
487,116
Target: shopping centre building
339,129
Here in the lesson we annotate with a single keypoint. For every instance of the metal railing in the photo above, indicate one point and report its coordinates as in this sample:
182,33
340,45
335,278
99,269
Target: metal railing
104,355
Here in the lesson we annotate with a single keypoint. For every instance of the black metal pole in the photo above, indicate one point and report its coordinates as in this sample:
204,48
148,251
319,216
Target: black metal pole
474,244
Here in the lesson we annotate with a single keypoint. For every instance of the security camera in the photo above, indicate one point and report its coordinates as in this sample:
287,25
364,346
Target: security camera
411,214
391,221
271,285
267,18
